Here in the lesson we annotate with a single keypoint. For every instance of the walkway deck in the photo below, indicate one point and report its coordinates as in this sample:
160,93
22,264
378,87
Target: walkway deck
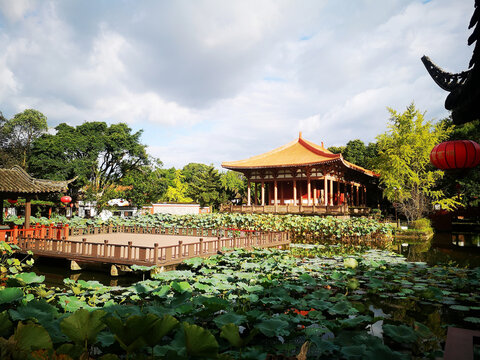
145,249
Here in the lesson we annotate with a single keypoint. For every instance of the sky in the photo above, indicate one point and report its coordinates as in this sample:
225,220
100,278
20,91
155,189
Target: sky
213,81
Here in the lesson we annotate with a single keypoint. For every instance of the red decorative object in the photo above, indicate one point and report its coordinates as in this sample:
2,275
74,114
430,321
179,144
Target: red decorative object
458,154
66,199
12,201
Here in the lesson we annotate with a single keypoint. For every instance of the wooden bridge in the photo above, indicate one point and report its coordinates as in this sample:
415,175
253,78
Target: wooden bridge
120,245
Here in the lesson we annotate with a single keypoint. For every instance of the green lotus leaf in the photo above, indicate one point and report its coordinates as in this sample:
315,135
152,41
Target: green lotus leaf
72,303
400,333
460,307
355,321
5,324
423,330
159,328
273,327
194,262
353,283
162,291
230,332
350,263
353,351
474,320
83,326
228,318
10,295
342,308
30,278
32,337
130,335
308,279
323,347
199,342
142,268
181,286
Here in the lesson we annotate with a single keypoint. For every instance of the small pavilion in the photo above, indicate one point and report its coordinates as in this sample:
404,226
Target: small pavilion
303,177
16,182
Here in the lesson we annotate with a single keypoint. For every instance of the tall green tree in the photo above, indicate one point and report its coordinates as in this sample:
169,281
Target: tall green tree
177,191
97,154
357,152
234,185
144,185
18,134
204,184
403,162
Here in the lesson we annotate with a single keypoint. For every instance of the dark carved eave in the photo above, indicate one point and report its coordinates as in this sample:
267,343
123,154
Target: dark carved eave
447,81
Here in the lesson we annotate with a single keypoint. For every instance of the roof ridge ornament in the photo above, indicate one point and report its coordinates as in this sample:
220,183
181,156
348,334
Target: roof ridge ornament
463,87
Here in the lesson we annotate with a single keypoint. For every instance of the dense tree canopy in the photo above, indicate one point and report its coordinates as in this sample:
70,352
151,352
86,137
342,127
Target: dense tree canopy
404,162
357,152
98,154
18,134
144,185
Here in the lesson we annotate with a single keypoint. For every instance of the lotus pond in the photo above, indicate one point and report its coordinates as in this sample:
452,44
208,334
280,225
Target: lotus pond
344,304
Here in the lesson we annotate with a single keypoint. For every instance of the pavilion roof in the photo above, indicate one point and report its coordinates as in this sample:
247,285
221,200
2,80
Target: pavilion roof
297,153
17,180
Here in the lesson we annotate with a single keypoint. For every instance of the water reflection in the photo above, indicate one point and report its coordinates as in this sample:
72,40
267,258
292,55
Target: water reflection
462,249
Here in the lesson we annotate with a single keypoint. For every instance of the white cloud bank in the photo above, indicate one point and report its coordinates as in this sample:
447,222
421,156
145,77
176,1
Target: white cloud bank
211,81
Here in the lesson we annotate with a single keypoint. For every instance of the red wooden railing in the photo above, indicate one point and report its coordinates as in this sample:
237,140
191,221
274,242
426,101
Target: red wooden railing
145,255
51,231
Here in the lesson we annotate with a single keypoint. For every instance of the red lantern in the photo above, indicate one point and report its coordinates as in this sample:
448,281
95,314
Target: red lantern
458,154
66,199
12,201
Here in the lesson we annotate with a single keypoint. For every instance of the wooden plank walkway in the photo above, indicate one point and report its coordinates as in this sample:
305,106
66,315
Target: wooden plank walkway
145,249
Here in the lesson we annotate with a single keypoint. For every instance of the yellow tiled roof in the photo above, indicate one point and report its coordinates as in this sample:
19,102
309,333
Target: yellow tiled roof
298,152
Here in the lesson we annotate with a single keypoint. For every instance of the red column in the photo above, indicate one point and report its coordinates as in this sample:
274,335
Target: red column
325,191
295,192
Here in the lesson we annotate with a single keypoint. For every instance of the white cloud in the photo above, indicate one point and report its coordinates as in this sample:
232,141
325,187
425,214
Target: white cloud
17,9
219,81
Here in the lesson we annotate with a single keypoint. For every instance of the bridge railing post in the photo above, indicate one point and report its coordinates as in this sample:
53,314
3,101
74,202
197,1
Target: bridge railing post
200,251
66,232
155,253
105,248
129,251
180,249
84,246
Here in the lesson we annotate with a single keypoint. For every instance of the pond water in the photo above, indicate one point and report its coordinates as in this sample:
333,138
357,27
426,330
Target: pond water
462,249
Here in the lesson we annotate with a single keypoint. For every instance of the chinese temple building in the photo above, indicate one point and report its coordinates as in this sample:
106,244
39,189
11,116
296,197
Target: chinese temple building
303,177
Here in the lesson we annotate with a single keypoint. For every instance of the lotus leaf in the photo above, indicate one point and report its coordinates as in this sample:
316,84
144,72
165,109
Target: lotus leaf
199,342
30,278
342,308
160,327
181,286
131,334
10,295
5,324
400,333
474,320
273,327
350,263
228,318
83,326
354,351
31,337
